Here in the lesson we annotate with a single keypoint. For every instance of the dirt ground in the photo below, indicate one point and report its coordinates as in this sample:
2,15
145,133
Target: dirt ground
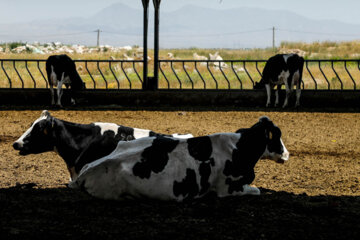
316,195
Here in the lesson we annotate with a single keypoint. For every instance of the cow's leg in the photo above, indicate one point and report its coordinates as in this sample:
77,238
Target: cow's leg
268,92
60,90
298,93
297,82
52,94
277,95
287,94
52,78
71,98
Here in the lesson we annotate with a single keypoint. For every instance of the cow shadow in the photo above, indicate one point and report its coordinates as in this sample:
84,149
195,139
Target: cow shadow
30,211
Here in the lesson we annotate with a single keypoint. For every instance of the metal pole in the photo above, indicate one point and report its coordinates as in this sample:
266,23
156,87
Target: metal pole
145,42
156,43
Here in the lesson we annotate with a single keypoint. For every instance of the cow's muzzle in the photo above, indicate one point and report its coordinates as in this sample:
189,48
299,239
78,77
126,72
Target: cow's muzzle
20,147
284,157
17,146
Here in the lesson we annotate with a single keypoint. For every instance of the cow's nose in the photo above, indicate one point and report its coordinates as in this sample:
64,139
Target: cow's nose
285,156
16,146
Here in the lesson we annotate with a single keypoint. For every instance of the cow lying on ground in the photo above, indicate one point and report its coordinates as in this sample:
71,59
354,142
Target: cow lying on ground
77,144
167,168
282,69
61,70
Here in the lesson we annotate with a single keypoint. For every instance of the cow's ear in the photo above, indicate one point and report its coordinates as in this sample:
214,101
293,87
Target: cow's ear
264,119
45,113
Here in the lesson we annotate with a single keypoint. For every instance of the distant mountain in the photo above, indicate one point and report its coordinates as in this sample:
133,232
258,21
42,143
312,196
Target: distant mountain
190,26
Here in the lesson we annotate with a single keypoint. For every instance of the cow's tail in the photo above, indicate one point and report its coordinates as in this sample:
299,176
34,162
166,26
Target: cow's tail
301,69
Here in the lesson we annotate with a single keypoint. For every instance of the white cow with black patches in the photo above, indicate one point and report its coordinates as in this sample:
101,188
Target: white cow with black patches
282,69
167,168
77,144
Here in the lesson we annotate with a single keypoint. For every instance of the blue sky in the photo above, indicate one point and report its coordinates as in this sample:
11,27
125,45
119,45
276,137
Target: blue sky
26,10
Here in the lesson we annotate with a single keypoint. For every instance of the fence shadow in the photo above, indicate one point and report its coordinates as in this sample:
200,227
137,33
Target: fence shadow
62,212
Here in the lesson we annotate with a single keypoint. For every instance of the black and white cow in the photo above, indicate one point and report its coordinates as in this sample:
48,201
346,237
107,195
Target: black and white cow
61,69
77,144
282,69
167,168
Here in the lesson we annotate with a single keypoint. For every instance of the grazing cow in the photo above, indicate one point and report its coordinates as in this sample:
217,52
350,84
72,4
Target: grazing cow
282,69
77,144
62,70
167,168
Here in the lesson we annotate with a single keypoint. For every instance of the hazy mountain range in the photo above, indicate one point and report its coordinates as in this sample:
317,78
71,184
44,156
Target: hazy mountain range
190,26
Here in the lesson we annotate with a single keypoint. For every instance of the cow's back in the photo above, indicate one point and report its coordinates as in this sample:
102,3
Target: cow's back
63,64
273,67
295,63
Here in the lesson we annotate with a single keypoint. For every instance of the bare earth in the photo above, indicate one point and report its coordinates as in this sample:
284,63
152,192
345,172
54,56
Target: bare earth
316,195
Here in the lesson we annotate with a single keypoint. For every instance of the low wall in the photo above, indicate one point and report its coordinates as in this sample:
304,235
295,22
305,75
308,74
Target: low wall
192,98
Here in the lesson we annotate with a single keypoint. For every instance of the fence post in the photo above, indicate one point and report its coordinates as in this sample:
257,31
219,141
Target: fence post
154,84
145,42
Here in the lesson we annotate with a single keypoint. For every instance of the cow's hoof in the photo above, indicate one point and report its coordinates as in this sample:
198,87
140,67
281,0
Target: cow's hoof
251,190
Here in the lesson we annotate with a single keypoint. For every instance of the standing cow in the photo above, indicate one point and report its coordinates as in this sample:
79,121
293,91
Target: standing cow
167,168
60,70
279,70
77,144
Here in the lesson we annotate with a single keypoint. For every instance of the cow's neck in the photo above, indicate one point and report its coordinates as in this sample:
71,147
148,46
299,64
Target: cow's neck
253,142
70,139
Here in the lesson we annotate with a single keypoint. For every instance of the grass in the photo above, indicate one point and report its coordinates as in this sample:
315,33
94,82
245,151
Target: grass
317,50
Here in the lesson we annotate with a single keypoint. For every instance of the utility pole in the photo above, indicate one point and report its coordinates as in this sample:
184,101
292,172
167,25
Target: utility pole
273,29
98,38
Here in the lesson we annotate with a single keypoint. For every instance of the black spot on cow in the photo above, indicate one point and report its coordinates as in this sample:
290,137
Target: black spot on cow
154,134
204,172
187,187
200,149
155,158
125,134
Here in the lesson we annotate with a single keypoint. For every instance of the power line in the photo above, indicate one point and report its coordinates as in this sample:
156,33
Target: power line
217,34
319,33
124,34
49,35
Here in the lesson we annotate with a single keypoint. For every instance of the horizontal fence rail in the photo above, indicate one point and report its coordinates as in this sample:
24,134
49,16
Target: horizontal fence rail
97,74
242,74
337,74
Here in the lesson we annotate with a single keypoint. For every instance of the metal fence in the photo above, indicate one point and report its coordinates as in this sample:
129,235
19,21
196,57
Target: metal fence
181,74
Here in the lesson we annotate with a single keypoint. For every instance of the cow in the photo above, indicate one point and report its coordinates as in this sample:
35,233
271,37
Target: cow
282,69
61,70
166,168
77,144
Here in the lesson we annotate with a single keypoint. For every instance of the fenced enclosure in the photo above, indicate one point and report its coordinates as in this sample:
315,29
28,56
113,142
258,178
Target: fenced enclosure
338,74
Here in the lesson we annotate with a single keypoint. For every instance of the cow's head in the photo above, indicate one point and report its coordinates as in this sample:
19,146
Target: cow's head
259,85
37,138
275,148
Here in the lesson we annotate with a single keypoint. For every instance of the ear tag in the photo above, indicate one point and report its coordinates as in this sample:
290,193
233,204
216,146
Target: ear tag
270,135
45,131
